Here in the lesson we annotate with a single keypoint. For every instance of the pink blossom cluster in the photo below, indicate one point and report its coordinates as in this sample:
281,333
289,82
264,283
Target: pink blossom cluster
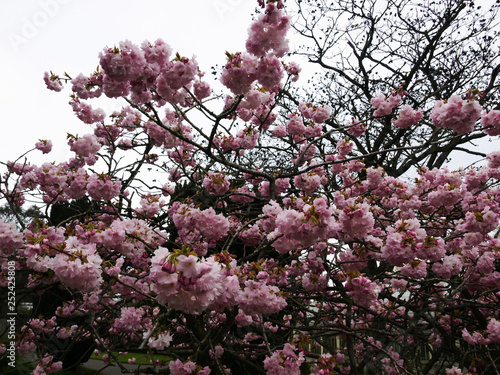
296,228
191,284
285,361
10,239
44,145
129,237
101,187
408,117
52,81
363,291
47,365
318,114
85,146
310,181
265,44
491,122
216,183
131,319
491,335
256,107
122,64
356,218
161,341
86,88
258,297
239,73
86,113
132,70
267,34
78,266
384,106
192,223
456,114
149,206
356,128
402,241
178,367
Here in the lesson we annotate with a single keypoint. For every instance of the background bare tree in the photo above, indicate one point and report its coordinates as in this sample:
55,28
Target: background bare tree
432,49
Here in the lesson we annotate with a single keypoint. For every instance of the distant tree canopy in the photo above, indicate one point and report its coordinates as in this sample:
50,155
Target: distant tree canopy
19,215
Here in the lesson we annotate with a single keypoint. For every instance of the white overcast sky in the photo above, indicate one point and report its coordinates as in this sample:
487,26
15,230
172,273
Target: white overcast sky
67,35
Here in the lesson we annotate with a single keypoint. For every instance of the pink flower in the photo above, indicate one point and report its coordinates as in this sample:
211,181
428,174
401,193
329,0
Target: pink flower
321,114
493,159
453,371
44,145
260,298
181,72
101,187
247,138
86,145
491,122
363,291
160,342
159,53
10,239
415,270
115,89
122,64
402,241
87,88
293,69
295,125
52,81
239,73
284,362
279,131
216,183
201,90
269,72
408,117
86,113
308,182
356,219
356,128
268,32
456,114
383,106
178,367
79,267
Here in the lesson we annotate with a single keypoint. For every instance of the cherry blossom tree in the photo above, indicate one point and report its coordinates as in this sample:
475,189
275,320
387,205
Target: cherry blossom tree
245,234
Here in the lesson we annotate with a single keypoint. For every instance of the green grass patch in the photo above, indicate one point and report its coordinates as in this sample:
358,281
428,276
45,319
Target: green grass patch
140,358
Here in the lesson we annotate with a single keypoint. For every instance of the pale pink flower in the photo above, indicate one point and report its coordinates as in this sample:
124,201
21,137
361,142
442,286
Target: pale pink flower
44,145
408,117
363,291
268,32
491,122
52,81
456,114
